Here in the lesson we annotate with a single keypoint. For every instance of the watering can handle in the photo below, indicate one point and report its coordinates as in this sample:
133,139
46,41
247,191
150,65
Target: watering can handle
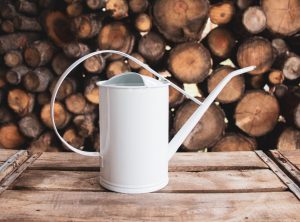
76,63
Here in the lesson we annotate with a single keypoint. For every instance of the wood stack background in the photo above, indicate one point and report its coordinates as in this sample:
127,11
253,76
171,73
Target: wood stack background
41,38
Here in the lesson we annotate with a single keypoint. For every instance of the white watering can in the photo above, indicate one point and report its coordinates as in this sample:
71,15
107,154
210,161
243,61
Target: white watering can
134,116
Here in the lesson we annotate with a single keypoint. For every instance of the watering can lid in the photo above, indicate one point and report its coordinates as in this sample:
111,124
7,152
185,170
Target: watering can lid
132,79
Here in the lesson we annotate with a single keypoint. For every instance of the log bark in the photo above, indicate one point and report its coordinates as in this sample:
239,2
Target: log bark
152,47
221,13
27,7
7,10
94,64
86,26
243,4
289,140
43,144
37,80
134,65
116,68
43,98
256,51
283,16
76,49
233,91
16,41
6,115
257,113
280,90
72,138
10,136
220,42
190,62
77,104
91,90
38,53
61,116
67,88
290,105
143,22
175,98
13,58
58,28
145,72
24,23
8,26
30,126
60,63
95,4
115,36
235,142
85,124
138,6
181,20
257,81
15,74
20,101
207,131
118,8
254,20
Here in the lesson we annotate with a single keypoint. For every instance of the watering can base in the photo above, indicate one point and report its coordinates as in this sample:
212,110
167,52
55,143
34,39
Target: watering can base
134,189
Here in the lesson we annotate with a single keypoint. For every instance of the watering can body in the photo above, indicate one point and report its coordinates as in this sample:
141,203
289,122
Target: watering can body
134,134
133,118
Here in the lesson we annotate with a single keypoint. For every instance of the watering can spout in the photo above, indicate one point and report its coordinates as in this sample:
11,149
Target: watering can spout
181,135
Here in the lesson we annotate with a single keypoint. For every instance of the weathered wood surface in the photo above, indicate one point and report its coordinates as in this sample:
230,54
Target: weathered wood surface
293,156
104,206
196,182
180,162
221,186
287,161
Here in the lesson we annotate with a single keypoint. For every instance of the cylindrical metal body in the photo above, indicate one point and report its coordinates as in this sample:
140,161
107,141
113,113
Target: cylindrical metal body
134,134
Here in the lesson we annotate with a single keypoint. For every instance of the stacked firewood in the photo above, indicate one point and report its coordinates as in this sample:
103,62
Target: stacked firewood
39,39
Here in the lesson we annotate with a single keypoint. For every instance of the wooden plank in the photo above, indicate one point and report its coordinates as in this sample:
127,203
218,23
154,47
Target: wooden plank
180,162
286,166
210,181
11,178
107,206
276,169
5,154
12,163
293,156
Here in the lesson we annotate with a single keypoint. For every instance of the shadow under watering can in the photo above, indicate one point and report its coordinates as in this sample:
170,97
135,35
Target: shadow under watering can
134,127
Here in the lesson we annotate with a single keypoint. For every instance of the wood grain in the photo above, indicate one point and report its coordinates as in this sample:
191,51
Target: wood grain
180,162
196,182
105,206
293,156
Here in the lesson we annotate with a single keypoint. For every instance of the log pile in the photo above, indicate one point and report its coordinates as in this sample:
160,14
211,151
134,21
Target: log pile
191,42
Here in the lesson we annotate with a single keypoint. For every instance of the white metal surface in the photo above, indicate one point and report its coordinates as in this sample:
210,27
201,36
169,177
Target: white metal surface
134,127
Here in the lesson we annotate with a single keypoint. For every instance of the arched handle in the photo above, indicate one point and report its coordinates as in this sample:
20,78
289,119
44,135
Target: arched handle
80,60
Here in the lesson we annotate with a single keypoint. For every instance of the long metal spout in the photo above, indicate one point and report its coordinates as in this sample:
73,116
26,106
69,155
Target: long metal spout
189,125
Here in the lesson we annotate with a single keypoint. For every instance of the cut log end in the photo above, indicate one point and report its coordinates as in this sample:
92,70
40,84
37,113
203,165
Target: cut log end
190,62
233,91
11,137
207,131
221,13
256,51
257,113
254,20
234,142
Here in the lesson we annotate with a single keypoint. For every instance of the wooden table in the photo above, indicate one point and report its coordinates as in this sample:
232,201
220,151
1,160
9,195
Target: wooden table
233,186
